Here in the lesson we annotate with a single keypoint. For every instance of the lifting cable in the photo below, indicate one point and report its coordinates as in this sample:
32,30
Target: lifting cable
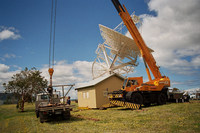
52,41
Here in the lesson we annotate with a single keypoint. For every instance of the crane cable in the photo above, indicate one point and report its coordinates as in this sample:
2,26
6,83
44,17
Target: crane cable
52,45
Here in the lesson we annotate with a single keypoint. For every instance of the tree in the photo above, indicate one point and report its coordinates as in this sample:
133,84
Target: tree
25,84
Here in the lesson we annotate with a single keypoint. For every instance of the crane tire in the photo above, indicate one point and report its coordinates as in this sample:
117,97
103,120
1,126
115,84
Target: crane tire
162,99
137,98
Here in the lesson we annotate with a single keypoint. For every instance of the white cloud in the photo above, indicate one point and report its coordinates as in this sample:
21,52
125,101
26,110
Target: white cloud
174,34
8,33
196,61
5,75
8,56
65,73
4,68
84,69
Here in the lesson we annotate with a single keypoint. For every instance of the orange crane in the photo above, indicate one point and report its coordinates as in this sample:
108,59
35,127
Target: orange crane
134,90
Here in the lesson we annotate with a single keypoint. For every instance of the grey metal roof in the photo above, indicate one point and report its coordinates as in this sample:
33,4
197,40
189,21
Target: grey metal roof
95,81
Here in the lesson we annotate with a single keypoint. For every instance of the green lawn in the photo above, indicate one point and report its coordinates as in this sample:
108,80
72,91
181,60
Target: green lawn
181,117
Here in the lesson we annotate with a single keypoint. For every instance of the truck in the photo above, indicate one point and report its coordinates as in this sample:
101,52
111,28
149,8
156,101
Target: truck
176,95
134,90
49,105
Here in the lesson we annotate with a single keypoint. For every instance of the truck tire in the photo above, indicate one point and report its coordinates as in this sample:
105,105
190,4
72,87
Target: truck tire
43,117
162,99
66,114
37,113
137,98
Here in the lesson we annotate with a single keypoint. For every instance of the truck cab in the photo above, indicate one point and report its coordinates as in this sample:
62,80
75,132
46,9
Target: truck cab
42,99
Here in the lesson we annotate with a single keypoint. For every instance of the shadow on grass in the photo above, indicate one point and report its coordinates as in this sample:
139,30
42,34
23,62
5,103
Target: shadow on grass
59,119
142,107
155,105
124,109
26,111
152,105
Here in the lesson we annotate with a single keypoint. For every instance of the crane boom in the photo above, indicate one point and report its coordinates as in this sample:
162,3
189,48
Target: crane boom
146,54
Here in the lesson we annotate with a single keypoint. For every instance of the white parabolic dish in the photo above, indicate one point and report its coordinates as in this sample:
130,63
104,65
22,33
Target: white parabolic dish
122,57
120,44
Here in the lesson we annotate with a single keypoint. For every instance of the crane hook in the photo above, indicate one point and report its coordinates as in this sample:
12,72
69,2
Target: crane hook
51,74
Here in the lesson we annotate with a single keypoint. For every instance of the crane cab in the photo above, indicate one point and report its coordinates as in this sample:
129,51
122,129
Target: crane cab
132,83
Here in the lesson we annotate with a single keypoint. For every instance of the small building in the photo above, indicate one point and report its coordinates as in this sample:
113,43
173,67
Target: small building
94,94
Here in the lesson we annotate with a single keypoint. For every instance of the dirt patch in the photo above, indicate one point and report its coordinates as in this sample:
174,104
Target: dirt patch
87,118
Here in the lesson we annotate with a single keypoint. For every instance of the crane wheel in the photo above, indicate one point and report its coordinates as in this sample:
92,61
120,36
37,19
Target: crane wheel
147,104
137,98
162,99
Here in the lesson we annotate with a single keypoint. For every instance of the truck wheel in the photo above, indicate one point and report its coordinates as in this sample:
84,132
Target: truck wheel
137,98
41,117
37,114
162,99
66,114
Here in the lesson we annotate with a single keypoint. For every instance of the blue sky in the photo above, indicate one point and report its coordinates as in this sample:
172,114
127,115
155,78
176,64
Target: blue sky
25,29
77,29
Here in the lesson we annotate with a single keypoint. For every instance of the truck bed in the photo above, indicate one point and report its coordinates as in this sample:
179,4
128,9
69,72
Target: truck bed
55,107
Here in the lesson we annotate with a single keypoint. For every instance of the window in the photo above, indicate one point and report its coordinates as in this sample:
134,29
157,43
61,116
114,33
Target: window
124,84
55,95
132,82
85,95
44,97
129,83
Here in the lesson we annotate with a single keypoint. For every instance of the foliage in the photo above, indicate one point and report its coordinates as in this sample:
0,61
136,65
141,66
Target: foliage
175,117
25,84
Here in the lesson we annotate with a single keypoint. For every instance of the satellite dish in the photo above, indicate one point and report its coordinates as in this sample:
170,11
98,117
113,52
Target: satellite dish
118,54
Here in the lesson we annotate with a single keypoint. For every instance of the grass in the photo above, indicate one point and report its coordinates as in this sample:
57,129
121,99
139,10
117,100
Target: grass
181,117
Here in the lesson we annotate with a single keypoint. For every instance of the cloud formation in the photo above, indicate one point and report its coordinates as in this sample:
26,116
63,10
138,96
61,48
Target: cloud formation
65,73
5,75
8,33
7,56
174,34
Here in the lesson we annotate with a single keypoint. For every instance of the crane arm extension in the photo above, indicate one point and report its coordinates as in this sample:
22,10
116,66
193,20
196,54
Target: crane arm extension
146,54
